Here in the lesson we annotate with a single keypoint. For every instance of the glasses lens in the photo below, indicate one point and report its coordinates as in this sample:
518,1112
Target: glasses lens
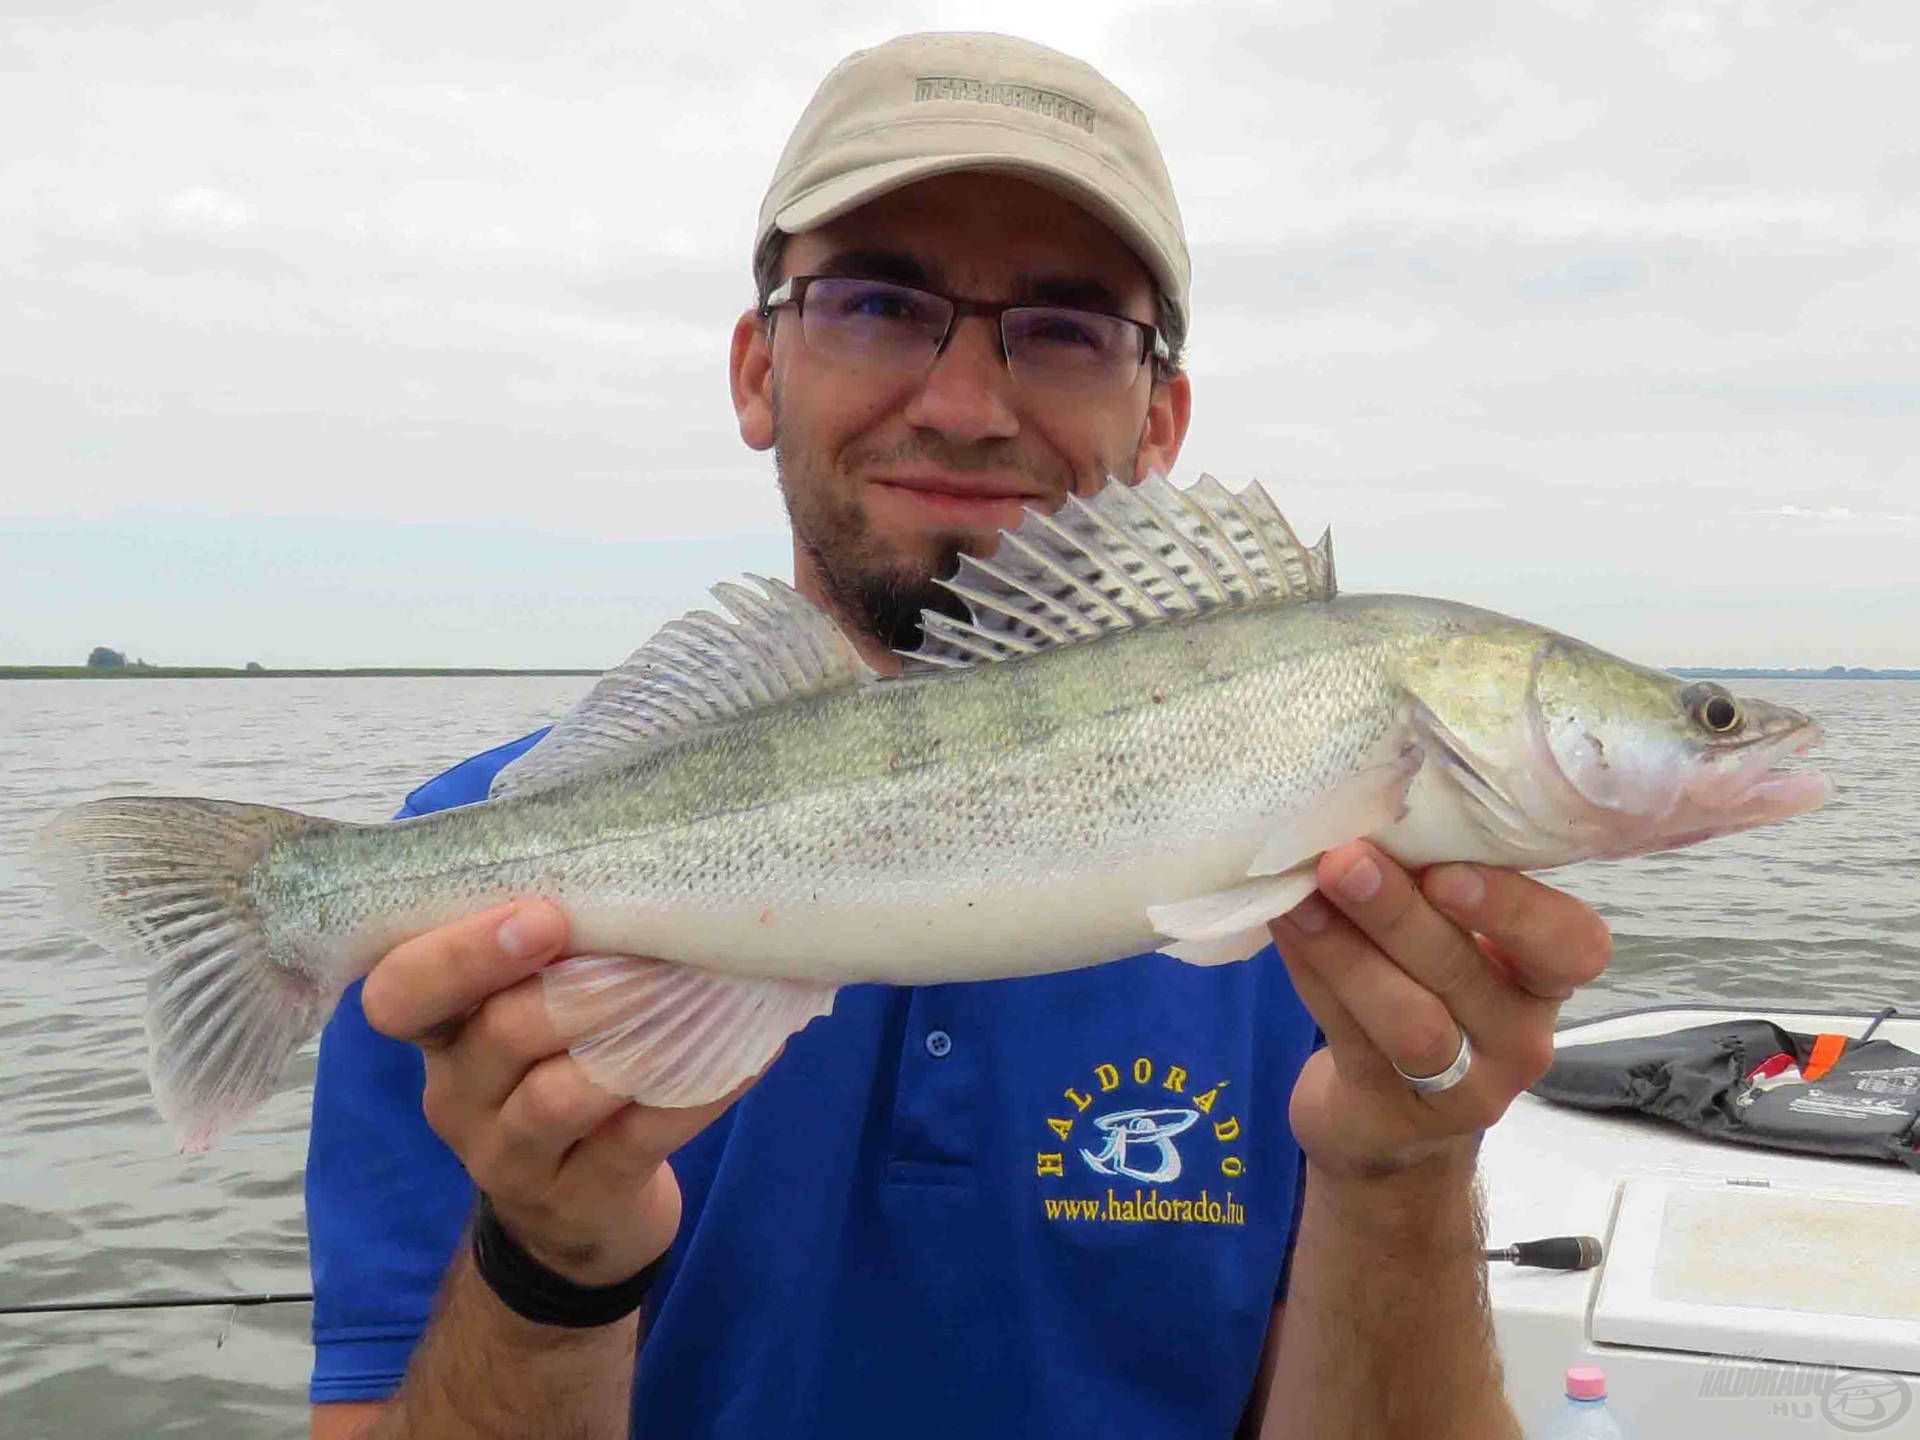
872,321
1071,349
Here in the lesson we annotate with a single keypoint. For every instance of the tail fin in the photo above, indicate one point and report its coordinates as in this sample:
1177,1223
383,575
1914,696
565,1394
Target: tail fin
164,884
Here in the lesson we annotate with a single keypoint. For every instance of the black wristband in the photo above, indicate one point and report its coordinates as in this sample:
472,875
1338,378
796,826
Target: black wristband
535,1293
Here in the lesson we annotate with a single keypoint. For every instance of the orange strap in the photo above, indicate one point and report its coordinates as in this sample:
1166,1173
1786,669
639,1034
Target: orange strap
1826,1050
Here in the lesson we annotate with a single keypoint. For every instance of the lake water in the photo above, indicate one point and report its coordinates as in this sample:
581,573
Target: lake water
95,1203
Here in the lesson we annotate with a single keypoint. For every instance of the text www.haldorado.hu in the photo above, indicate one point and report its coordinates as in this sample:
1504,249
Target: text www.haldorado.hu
1146,1207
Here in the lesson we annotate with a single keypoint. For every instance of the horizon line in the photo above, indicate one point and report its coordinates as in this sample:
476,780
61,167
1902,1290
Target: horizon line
224,672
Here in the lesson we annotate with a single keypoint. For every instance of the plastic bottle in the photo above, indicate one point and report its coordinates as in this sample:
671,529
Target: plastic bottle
1584,1415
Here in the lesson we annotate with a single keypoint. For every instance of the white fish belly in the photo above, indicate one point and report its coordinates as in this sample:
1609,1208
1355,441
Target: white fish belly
901,937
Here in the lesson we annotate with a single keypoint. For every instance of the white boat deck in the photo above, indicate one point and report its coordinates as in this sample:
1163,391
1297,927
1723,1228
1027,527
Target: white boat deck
1752,1292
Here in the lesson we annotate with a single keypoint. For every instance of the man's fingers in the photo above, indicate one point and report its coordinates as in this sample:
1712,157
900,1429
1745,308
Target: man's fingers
1548,942
554,1123
433,981
637,1138
553,1107
1342,1031
491,1051
1384,905
1416,980
1400,973
1379,1014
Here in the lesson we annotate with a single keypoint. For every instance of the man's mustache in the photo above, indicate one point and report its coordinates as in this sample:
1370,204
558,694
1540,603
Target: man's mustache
999,457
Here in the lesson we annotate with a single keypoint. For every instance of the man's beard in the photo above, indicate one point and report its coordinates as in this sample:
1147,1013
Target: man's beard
863,585
891,606
863,581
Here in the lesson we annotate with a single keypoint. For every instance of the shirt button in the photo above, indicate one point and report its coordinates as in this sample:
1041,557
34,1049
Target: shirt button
939,1043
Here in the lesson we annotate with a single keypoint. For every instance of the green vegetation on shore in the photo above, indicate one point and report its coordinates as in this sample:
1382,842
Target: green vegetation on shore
106,663
219,672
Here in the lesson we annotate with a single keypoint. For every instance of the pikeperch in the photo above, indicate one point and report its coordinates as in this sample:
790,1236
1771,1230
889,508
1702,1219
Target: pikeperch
1156,718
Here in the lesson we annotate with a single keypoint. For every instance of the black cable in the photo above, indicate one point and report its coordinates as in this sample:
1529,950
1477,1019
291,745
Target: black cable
159,1302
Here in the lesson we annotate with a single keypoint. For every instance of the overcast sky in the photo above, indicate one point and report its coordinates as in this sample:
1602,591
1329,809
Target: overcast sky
396,334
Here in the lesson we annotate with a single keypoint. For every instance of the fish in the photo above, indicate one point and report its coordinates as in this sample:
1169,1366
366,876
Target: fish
1148,714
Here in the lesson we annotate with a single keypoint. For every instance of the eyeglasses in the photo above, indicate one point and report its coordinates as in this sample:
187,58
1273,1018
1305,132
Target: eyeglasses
894,327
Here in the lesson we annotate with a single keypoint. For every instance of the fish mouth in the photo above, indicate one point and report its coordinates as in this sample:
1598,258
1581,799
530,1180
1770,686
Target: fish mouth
1757,792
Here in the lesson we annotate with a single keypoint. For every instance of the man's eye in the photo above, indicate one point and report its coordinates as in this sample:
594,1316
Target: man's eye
880,305
1065,330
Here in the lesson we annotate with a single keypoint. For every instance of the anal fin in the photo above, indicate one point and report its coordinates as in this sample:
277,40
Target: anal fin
673,1035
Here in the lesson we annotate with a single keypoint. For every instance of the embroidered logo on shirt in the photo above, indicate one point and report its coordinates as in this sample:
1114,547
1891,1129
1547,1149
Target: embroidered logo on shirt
1131,1125
1131,1133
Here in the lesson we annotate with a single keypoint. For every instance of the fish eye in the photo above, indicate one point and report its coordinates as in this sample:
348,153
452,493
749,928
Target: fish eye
1713,708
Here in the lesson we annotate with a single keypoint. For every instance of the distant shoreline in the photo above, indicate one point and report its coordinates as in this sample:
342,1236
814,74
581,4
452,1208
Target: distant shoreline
216,672
1749,672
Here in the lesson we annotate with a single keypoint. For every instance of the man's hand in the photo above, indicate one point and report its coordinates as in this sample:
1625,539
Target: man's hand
578,1176
1385,1329
1396,973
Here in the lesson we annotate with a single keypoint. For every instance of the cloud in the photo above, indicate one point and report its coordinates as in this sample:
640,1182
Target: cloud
1512,291
1803,512
201,208
1839,512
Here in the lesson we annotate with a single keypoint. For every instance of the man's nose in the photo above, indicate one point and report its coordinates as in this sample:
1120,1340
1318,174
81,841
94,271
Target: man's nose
967,393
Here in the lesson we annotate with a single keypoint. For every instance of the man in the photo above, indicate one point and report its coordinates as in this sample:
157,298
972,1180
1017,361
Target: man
1062,1205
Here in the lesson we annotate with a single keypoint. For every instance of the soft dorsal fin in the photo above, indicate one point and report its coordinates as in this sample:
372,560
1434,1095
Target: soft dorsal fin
698,670
1132,555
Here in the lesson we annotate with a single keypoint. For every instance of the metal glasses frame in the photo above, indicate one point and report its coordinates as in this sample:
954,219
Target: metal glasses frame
793,291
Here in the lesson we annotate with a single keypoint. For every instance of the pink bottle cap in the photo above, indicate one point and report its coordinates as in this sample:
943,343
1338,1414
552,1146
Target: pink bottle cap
1586,1382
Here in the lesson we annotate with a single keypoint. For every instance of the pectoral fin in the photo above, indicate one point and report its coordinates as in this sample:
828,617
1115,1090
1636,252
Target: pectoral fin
1223,951
1229,924
1366,801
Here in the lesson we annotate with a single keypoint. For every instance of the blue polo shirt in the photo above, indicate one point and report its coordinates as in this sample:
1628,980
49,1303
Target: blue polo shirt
1059,1205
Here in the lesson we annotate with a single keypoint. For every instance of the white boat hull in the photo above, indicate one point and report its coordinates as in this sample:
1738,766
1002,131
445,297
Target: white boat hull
1745,1291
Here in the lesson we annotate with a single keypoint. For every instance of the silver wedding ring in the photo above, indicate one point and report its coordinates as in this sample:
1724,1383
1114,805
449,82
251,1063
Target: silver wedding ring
1447,1078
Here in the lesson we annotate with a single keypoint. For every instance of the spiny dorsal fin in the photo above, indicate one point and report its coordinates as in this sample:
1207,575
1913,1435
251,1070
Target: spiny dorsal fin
697,670
1132,555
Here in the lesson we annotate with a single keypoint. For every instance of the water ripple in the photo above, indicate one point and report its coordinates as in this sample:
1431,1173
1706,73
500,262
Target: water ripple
94,1201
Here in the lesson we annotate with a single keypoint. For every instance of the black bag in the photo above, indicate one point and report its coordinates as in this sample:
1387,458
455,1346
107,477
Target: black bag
1746,1081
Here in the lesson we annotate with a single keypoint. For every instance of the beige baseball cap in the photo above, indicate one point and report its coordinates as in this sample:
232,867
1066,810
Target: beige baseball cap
930,104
